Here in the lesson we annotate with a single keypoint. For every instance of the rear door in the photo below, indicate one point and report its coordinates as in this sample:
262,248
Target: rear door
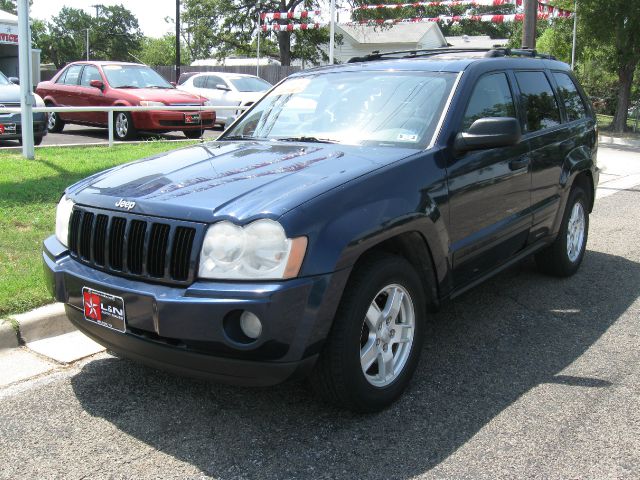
545,136
489,190
67,91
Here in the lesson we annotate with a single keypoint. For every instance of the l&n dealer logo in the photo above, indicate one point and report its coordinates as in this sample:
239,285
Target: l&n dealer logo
92,306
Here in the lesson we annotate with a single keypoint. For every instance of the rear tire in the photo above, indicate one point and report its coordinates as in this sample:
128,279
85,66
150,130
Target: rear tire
376,339
54,123
37,140
123,128
563,257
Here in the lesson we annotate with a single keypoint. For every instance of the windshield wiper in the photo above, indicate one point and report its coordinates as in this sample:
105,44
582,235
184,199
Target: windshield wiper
241,137
127,86
159,86
306,140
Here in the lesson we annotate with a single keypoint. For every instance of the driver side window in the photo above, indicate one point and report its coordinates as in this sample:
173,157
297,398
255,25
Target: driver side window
491,97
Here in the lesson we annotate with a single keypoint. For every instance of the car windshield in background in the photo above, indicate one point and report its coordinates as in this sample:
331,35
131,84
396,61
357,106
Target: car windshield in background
365,107
249,84
134,76
4,80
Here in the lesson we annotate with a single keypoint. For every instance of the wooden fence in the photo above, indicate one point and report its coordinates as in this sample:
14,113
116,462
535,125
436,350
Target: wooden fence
271,73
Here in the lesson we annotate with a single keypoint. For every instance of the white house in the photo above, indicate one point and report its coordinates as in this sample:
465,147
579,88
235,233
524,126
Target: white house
476,41
359,40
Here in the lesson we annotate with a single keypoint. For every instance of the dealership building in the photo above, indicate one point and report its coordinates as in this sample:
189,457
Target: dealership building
9,48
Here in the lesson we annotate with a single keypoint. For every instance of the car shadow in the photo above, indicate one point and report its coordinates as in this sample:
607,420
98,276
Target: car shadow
484,351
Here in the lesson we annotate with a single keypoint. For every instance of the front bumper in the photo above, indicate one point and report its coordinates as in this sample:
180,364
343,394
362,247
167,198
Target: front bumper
158,120
39,125
183,329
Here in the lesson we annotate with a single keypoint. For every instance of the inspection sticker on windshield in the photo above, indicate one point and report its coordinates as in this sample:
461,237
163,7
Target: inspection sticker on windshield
104,309
405,137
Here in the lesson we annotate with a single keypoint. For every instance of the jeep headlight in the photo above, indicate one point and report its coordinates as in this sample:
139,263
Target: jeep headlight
63,215
260,250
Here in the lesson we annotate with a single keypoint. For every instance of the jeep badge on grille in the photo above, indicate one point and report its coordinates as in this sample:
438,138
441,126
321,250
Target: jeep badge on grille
127,205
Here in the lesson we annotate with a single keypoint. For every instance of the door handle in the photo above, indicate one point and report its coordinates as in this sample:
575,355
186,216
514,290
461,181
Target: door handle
522,162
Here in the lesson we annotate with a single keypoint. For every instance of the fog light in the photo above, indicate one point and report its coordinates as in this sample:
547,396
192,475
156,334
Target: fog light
250,325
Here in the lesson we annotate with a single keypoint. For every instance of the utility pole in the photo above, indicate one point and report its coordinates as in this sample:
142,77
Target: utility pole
332,31
529,23
575,35
177,40
87,44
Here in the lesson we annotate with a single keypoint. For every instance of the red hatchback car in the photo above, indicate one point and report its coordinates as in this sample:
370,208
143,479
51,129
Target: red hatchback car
83,84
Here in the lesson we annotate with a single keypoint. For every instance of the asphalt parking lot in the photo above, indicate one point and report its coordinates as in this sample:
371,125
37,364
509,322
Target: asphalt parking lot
80,135
525,376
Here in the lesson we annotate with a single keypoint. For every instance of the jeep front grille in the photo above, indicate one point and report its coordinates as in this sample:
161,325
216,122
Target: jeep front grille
156,249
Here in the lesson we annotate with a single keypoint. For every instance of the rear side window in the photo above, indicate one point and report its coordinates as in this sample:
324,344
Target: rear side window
572,100
538,100
71,77
491,97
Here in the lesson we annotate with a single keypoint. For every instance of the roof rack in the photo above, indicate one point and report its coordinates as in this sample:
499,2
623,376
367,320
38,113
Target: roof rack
489,52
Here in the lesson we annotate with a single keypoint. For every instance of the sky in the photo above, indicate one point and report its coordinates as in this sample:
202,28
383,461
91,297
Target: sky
150,13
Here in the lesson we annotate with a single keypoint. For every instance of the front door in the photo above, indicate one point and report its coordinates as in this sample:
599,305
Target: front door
489,190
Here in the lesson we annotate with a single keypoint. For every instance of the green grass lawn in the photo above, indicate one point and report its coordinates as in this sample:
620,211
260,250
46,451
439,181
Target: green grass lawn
604,122
29,192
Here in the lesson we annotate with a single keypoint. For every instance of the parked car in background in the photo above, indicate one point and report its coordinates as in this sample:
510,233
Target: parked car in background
225,89
83,84
11,123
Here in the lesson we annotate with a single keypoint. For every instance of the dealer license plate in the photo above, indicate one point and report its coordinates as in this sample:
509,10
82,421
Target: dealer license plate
191,118
104,309
7,128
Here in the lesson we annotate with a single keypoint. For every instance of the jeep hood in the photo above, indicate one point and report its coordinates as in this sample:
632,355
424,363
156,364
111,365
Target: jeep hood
234,180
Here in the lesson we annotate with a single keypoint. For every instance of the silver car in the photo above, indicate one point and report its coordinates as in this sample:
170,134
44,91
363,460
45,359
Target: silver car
11,123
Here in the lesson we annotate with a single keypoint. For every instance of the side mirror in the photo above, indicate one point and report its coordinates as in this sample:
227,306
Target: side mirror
97,84
488,133
222,87
15,80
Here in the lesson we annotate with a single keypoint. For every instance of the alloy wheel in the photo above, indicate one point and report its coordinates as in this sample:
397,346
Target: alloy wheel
387,335
575,232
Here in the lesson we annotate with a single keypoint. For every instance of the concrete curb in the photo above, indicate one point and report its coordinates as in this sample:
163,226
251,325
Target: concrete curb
623,142
8,335
43,322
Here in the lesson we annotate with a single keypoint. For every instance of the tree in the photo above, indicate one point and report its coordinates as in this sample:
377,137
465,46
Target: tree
11,6
113,35
221,27
162,51
615,23
116,34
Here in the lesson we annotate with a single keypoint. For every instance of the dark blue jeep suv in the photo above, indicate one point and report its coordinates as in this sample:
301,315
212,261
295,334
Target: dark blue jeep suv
316,235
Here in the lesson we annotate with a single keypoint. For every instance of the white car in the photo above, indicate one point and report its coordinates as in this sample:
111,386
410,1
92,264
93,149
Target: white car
225,89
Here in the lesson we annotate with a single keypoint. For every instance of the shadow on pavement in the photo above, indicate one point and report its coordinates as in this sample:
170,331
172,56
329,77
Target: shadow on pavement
484,351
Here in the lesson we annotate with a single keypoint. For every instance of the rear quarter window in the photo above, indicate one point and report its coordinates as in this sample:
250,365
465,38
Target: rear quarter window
573,103
538,101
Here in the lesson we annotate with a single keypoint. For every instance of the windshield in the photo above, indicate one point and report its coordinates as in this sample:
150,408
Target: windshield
4,80
365,107
134,76
250,84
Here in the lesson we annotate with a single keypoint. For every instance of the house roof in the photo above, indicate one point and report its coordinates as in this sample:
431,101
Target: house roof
409,33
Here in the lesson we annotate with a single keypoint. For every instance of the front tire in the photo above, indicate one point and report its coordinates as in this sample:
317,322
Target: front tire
54,123
374,345
123,127
563,257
